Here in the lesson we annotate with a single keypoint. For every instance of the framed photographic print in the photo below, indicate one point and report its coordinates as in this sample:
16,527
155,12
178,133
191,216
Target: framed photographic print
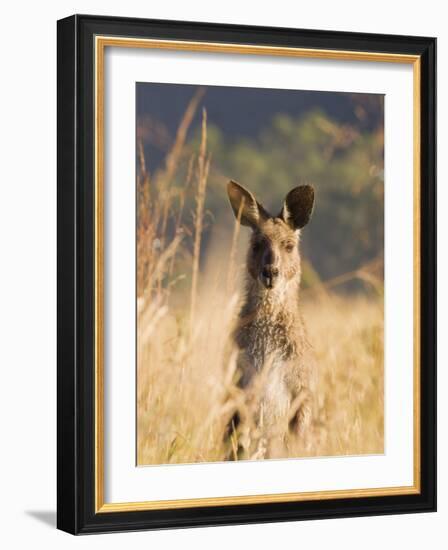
246,274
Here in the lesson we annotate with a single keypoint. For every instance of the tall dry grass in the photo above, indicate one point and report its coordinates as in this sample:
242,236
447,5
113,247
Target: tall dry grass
186,308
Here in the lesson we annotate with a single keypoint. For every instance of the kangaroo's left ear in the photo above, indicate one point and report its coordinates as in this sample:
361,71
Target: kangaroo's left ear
298,206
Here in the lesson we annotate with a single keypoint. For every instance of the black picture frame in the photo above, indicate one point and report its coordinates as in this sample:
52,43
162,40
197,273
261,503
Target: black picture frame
75,271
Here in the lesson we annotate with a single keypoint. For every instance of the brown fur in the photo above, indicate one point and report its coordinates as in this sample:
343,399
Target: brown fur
274,359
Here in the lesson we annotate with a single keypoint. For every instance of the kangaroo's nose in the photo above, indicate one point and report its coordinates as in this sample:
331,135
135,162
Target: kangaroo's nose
270,271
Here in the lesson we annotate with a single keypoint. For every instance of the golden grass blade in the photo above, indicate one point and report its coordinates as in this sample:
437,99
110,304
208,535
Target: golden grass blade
236,231
174,155
203,169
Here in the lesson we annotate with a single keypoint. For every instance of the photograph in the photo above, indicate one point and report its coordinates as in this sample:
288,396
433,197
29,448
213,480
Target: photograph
259,273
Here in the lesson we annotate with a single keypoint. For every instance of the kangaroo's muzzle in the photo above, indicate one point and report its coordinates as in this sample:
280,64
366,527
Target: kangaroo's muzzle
269,276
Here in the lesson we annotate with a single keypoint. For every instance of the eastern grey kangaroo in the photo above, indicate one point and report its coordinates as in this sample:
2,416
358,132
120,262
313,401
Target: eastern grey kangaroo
274,357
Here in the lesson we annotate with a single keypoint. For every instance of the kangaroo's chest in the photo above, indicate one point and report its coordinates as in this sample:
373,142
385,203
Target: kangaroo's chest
265,339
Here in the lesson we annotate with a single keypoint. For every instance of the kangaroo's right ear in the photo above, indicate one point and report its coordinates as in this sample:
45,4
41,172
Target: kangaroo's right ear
252,213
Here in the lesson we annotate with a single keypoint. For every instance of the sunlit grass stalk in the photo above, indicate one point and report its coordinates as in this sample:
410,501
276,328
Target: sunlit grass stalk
232,255
180,210
203,169
175,154
141,157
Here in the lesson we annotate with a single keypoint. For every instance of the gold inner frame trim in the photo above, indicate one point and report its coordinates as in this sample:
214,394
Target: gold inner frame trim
101,42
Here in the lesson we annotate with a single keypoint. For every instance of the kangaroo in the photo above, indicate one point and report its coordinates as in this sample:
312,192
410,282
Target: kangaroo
274,357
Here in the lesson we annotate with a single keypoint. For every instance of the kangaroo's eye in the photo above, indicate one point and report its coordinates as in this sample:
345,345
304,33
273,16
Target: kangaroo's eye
289,247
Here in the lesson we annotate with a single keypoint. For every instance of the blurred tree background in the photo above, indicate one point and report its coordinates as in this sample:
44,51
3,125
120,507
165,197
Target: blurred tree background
272,140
